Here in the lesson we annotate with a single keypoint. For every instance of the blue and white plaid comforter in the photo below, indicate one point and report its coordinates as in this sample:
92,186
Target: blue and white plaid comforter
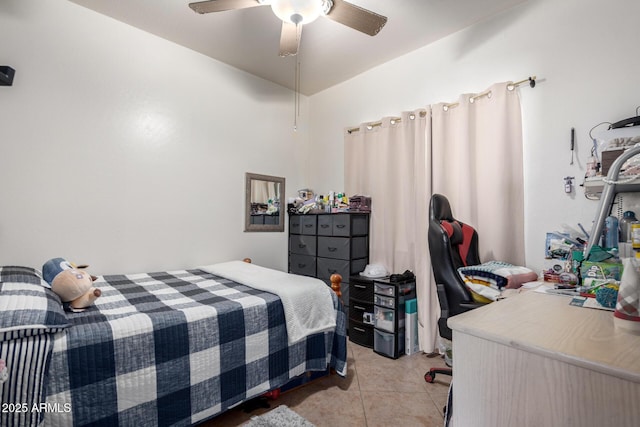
176,348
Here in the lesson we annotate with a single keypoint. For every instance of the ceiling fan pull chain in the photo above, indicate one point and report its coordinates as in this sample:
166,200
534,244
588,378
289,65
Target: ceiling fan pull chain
296,108
295,97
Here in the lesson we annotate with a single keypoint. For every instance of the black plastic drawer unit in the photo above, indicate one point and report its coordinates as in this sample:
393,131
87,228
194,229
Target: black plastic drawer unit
389,315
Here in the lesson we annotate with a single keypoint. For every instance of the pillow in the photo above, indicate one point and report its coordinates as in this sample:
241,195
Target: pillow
20,274
28,308
486,281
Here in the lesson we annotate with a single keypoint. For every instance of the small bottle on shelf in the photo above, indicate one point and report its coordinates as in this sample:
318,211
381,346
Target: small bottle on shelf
610,237
628,218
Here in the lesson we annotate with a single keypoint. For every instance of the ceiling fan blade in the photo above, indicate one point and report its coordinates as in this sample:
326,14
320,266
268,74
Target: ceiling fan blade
290,39
356,17
221,5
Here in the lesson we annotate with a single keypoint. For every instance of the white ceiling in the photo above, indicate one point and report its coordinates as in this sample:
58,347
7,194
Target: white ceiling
329,53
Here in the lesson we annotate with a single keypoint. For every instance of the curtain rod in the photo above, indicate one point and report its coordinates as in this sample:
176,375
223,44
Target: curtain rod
510,86
393,120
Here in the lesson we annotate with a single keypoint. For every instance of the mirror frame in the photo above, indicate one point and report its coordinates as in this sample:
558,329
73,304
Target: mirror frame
248,226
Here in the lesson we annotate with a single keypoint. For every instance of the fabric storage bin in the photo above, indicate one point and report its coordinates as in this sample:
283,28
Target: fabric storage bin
303,264
294,224
358,266
341,225
328,266
325,225
334,247
302,244
334,225
384,318
384,301
360,225
271,219
341,248
257,219
359,247
308,224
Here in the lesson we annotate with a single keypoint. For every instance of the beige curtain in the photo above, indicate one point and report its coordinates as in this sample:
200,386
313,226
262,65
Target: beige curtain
477,165
471,153
390,163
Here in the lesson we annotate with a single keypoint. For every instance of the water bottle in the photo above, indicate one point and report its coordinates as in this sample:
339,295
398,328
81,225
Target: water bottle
628,218
610,236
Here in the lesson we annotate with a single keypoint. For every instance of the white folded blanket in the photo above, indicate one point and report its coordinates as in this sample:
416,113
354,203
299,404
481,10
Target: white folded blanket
307,301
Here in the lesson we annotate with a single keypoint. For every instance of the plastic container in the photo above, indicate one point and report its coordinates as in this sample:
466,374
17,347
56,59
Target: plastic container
388,302
610,235
628,218
384,319
389,290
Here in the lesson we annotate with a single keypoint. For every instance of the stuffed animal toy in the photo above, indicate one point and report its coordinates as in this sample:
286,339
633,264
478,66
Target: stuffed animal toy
73,285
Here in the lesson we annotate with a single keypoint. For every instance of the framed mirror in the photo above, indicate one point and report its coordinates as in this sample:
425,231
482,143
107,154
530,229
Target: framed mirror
264,203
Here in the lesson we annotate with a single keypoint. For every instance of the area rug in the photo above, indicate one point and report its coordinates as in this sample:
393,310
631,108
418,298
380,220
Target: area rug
282,416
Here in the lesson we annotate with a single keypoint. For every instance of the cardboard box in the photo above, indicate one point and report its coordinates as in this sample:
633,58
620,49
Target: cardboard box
608,157
600,270
411,325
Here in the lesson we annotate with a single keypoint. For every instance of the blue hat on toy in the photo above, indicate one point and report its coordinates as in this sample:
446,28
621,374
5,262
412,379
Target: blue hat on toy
53,267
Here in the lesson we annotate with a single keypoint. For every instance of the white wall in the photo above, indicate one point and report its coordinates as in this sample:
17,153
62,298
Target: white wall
584,53
127,152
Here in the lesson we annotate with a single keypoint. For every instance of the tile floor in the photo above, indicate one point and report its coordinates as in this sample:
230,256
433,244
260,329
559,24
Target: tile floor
378,391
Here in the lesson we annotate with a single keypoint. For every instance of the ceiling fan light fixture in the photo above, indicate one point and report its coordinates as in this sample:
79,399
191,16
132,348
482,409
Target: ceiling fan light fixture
299,11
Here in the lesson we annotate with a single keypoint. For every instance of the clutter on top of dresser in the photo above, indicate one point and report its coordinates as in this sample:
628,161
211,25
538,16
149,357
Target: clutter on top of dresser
359,203
331,202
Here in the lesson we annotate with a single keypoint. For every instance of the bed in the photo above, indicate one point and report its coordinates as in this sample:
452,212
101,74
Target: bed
165,348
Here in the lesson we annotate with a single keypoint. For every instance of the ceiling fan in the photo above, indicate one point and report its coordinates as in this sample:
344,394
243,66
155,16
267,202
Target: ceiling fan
295,13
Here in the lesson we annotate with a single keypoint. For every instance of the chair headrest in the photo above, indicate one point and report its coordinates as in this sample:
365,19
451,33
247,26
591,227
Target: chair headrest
454,231
440,208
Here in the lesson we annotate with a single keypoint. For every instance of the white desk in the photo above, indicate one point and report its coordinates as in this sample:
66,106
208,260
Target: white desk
534,360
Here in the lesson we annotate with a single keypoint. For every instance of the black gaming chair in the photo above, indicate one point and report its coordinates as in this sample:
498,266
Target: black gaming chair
452,244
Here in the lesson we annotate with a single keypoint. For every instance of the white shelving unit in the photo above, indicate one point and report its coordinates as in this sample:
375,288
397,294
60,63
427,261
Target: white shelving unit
594,186
608,193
